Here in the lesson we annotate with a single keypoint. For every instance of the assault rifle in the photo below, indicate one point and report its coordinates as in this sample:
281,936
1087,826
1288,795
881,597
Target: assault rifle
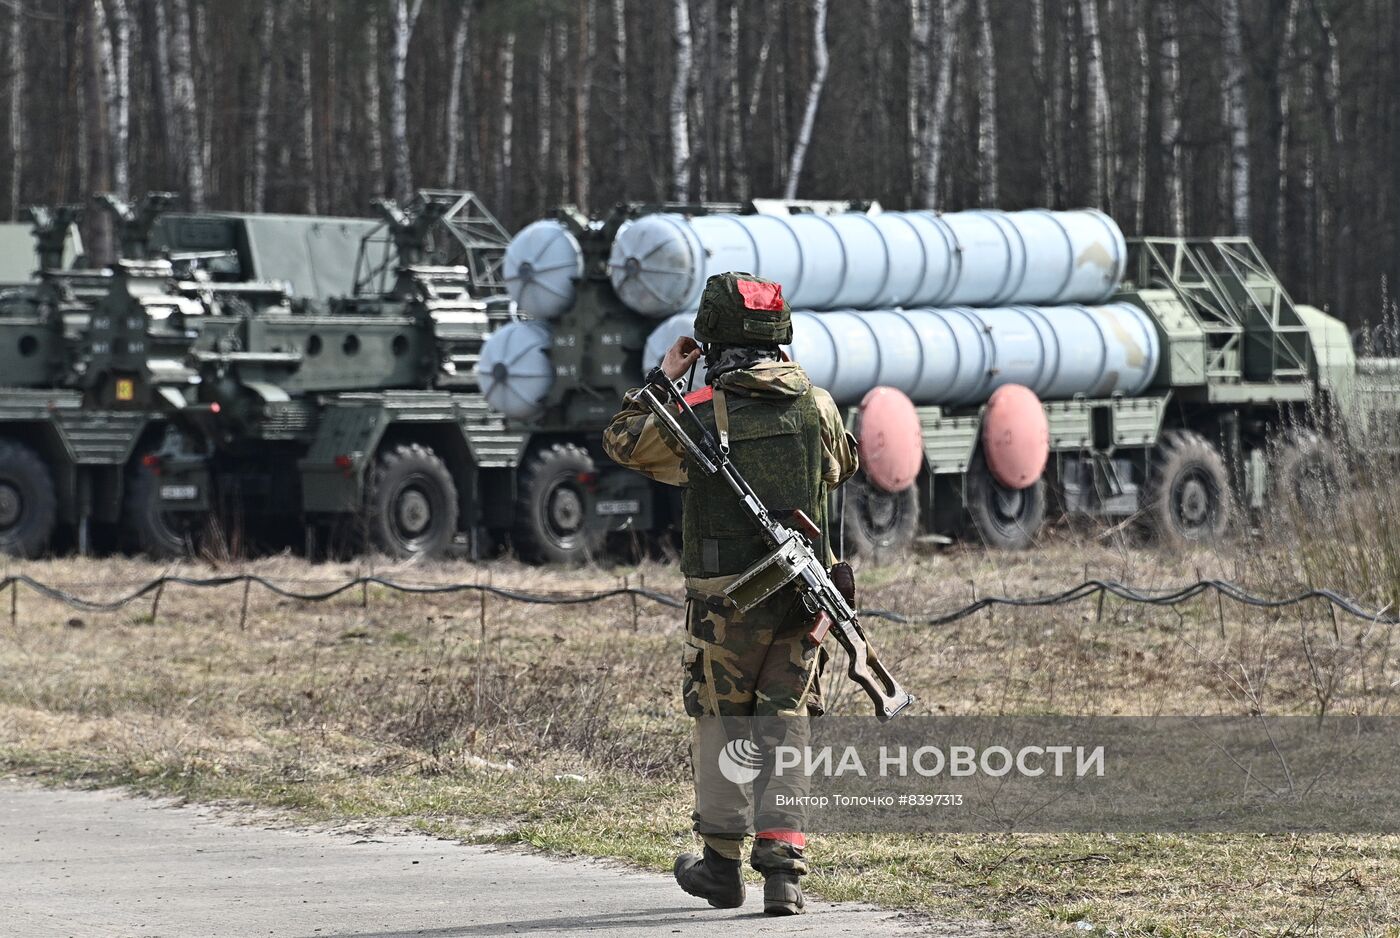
792,559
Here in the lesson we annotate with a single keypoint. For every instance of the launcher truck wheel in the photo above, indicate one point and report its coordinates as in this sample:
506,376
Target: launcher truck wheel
1188,498
551,507
28,505
162,535
1003,517
412,503
1307,476
874,525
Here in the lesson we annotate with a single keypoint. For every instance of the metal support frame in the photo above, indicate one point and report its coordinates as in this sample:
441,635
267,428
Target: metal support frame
1253,331
472,237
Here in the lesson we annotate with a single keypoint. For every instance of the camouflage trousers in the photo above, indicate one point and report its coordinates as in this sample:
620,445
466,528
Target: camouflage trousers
760,664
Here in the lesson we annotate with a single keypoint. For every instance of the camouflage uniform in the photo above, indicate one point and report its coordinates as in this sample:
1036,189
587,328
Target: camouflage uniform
789,443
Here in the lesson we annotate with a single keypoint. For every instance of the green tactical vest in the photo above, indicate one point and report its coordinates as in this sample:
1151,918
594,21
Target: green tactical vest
776,445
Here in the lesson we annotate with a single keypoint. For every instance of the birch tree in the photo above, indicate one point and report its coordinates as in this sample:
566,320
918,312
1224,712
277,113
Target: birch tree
1040,69
1170,117
951,13
544,114
185,105
405,17
1144,110
374,118
505,149
262,110
305,140
97,98
453,124
1097,110
821,64
1284,67
585,49
920,85
679,105
17,83
1236,115
622,117
987,162
119,24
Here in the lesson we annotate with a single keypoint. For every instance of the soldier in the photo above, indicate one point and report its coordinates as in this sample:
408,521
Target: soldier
786,437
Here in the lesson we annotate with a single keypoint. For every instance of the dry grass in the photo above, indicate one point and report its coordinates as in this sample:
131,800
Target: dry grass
476,720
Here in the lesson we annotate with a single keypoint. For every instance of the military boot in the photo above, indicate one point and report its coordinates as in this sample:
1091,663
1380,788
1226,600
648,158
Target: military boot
782,894
713,878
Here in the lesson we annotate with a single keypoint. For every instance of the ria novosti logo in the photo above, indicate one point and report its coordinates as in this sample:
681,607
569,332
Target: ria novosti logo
741,761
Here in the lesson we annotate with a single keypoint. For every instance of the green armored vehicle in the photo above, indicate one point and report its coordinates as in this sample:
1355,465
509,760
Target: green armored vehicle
358,416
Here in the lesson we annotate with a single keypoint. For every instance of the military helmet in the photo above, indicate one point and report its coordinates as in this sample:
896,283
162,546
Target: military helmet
741,309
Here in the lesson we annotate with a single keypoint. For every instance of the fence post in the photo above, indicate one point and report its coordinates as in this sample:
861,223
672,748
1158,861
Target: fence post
243,614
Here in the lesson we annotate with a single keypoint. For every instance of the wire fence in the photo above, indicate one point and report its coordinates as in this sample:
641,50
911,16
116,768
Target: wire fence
1088,589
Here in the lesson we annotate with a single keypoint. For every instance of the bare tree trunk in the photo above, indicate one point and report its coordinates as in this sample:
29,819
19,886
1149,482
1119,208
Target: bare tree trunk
164,86
559,155
544,114
453,124
262,110
949,18
920,84
17,82
405,17
1236,115
186,117
507,97
758,70
700,99
374,117
987,162
680,87
733,120
1144,108
814,96
119,24
623,120
1170,119
1098,103
306,142
97,99
1284,104
584,51
1043,83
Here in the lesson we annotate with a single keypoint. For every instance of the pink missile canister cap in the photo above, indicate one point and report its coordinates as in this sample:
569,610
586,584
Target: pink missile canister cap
891,440
1015,436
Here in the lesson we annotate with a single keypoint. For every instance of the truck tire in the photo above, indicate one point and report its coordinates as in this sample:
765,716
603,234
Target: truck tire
1187,499
874,525
155,533
411,503
1308,474
1004,518
28,504
551,508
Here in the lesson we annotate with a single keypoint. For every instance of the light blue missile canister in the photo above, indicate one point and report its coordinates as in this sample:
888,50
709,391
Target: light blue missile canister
659,263
959,356
542,263
514,371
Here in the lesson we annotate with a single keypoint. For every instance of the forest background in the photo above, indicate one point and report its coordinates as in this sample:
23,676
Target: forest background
1274,118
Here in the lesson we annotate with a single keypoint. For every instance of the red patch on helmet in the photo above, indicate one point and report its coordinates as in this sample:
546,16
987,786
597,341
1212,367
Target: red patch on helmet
761,295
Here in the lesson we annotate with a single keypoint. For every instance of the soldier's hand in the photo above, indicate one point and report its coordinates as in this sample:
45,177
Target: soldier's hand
679,357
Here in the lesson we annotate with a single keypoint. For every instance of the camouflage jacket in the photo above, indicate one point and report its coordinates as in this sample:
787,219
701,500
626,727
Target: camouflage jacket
633,439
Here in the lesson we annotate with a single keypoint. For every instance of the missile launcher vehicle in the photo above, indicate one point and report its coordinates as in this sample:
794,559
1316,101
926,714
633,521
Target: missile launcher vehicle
995,367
